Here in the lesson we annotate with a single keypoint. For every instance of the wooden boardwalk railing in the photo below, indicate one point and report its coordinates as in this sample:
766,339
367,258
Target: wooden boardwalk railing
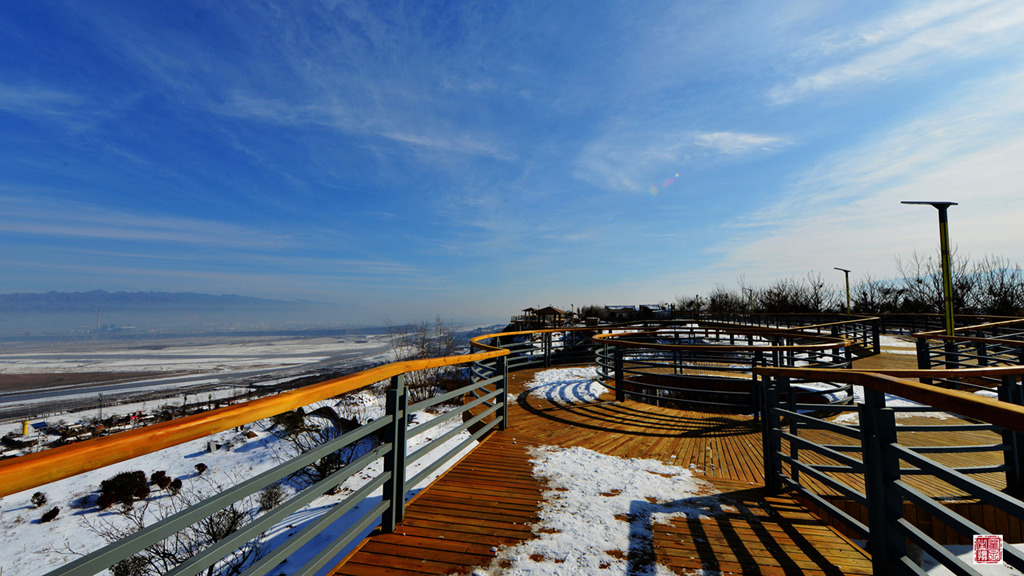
491,498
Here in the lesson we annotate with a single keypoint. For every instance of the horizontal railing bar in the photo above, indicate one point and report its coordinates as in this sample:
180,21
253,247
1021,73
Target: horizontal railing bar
959,480
1002,414
954,520
819,474
958,449
217,551
819,424
937,551
31,470
442,398
336,546
121,549
442,418
947,428
818,448
432,467
296,541
427,448
842,515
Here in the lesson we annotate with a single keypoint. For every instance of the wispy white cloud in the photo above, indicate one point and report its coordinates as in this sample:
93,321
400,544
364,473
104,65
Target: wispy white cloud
75,220
631,158
461,144
965,150
732,143
37,100
910,43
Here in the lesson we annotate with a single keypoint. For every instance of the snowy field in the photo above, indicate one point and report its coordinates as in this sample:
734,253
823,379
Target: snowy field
31,547
163,366
897,344
245,354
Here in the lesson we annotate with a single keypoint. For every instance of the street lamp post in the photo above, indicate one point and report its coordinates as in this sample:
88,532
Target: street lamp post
750,310
947,275
847,272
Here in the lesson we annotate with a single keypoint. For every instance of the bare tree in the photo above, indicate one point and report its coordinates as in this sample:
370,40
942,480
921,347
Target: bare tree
922,283
721,300
1000,287
428,340
688,305
820,296
185,544
305,429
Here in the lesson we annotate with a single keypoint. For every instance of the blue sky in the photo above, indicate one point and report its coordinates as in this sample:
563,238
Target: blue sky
473,159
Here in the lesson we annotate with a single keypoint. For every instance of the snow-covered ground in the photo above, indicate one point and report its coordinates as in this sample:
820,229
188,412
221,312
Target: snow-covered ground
249,354
31,547
599,508
172,364
897,344
567,385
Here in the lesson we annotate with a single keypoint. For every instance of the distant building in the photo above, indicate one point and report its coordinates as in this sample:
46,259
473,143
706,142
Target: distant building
540,318
620,313
655,311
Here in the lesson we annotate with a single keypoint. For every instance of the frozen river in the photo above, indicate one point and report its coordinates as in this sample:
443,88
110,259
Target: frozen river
66,372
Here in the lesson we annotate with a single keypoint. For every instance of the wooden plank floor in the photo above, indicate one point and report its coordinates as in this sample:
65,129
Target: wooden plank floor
491,498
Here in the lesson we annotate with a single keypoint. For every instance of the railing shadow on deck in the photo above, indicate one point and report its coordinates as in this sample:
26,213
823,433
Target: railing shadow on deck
881,475
622,418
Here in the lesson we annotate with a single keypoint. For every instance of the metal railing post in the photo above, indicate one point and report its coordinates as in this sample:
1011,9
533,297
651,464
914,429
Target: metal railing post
924,361
771,441
1013,455
394,460
501,367
785,389
923,357
620,391
952,353
881,471
876,337
547,349
756,389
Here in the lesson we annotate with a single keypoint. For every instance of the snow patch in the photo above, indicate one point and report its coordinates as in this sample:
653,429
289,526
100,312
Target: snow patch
567,385
598,514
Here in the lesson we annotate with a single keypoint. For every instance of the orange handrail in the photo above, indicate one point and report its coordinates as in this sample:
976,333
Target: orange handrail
827,343
968,404
32,470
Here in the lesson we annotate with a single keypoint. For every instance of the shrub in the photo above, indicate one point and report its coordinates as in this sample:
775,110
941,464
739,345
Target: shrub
155,477
131,566
142,492
201,468
270,497
105,501
83,502
50,515
163,482
38,499
124,485
175,485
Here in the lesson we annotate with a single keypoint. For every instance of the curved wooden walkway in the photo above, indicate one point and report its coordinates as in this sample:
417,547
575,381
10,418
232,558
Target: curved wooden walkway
491,497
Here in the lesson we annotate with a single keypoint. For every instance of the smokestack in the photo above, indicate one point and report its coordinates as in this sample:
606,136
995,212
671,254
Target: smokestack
98,325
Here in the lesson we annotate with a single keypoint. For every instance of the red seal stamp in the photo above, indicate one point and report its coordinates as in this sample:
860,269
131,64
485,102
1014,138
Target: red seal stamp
988,549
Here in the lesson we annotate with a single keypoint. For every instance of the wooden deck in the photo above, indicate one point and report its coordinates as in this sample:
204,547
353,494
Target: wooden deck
491,497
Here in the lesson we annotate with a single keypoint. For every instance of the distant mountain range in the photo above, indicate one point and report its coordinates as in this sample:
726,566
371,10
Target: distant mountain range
96,299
